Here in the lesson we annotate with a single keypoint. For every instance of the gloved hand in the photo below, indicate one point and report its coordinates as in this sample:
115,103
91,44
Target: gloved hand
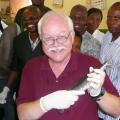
3,95
61,99
96,78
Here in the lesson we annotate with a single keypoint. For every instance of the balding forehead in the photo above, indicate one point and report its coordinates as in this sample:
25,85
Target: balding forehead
78,9
54,19
115,6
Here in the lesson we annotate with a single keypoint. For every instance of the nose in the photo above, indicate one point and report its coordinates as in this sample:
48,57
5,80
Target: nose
55,42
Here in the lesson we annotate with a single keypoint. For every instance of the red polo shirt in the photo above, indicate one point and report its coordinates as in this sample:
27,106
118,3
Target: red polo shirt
39,80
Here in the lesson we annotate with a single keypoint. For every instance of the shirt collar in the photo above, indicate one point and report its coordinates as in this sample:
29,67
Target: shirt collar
108,37
71,64
35,43
4,24
117,41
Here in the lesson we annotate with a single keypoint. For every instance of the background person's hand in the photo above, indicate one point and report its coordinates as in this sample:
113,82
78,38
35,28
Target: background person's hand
3,95
61,99
96,78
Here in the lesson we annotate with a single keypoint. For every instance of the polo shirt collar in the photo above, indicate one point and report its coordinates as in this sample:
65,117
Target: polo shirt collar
71,66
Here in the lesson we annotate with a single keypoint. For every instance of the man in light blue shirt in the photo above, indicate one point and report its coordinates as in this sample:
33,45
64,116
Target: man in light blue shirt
110,50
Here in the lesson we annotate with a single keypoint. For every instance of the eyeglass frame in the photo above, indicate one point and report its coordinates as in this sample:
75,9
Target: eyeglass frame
58,38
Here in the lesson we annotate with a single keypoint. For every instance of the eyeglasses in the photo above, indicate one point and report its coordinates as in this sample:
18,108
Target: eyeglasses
59,39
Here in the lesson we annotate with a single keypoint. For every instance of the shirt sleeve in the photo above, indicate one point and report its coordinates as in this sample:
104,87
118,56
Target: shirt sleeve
26,93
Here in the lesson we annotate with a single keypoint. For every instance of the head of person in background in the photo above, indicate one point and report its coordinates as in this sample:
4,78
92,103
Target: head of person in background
31,16
77,43
113,20
38,3
57,42
78,15
94,18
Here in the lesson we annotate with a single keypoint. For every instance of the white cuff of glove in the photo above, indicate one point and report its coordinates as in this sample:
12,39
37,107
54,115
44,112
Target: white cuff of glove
42,106
3,95
94,92
6,89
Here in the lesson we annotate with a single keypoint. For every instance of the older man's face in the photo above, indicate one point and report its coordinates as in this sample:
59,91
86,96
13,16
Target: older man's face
57,39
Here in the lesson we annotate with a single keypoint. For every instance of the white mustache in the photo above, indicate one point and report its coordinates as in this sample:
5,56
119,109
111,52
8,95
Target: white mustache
56,49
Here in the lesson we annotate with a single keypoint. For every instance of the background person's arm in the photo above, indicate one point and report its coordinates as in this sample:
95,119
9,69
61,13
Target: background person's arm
110,104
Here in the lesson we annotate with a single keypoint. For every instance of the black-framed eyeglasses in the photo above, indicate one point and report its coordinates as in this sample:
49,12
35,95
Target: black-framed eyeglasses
59,39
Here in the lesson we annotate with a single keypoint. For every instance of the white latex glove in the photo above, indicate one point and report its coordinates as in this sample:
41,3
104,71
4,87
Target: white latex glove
96,78
61,99
3,95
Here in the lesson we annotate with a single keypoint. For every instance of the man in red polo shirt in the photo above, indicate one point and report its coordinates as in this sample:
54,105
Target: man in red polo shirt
44,91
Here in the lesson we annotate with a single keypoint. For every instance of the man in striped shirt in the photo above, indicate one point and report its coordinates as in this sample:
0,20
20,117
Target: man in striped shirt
110,50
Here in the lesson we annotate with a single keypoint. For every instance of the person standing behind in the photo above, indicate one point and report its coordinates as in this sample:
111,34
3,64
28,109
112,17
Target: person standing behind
78,15
110,50
92,38
25,46
94,19
6,50
37,3
77,43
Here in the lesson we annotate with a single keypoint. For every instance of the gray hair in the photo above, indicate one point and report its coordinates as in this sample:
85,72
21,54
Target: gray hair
65,17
